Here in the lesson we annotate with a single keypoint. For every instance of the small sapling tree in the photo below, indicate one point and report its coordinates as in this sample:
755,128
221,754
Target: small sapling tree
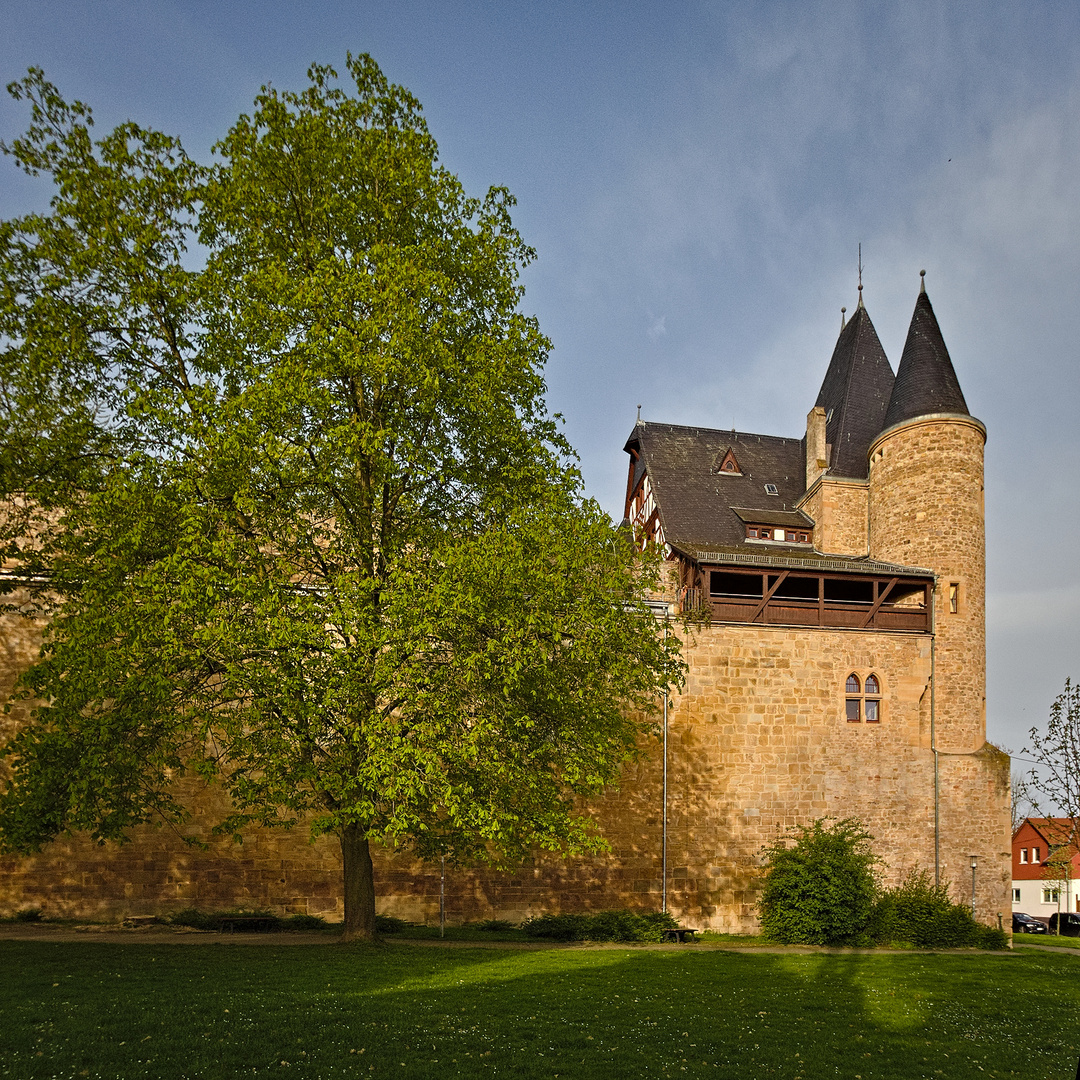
1053,787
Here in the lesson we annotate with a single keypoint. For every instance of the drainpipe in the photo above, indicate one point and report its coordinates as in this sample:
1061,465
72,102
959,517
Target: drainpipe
663,854
933,738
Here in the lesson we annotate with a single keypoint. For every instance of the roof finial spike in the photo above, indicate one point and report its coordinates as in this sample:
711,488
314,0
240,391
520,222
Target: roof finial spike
639,414
922,281
860,275
843,319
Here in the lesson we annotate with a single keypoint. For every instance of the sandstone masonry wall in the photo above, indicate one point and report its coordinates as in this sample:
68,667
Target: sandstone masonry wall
839,510
757,742
926,509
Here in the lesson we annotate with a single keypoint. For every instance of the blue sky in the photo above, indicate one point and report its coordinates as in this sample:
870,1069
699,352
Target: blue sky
696,179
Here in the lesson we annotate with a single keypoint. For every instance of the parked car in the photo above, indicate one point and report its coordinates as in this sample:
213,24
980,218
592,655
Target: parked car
1070,923
1025,924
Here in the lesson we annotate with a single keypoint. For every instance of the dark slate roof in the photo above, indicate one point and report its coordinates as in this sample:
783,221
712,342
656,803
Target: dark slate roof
925,381
791,519
855,395
696,501
800,558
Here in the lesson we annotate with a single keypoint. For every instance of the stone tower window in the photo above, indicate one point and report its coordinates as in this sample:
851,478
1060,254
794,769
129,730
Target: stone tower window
954,597
863,699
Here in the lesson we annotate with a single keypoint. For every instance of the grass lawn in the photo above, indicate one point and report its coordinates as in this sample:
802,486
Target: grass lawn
1046,939
84,1009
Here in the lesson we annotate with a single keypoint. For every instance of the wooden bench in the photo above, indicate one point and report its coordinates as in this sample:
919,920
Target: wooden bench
681,934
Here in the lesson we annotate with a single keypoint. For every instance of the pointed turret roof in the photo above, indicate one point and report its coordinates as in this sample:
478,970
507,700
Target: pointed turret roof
925,381
855,395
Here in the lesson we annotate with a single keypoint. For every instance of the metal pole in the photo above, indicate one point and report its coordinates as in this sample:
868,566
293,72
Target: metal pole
933,737
442,895
973,888
663,856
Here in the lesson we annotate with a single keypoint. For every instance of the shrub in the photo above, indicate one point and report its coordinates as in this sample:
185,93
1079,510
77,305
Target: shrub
388,924
212,920
819,886
299,923
193,917
494,926
919,913
620,925
29,914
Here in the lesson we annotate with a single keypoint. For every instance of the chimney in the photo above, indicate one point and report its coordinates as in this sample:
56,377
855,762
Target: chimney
816,452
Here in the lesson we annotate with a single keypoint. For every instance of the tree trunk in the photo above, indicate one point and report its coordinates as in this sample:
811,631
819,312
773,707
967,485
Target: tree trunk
359,885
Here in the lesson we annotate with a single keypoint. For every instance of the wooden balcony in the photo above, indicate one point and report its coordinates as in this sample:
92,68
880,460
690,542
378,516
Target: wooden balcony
798,598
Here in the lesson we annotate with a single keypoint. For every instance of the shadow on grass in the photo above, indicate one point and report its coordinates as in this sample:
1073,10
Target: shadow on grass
330,1011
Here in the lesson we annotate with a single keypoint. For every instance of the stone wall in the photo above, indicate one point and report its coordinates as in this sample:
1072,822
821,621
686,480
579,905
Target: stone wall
926,509
839,510
757,742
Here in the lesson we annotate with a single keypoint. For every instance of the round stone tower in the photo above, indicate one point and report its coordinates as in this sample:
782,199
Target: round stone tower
926,509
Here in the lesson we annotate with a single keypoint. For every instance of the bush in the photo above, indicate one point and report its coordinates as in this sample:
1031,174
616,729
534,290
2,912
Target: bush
213,920
29,914
388,924
300,923
193,917
621,925
919,913
494,926
820,886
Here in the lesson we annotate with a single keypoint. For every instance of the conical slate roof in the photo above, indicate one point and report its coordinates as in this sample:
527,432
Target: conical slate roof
925,381
855,395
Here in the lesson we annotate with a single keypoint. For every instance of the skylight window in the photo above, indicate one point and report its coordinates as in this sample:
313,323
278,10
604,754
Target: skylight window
771,489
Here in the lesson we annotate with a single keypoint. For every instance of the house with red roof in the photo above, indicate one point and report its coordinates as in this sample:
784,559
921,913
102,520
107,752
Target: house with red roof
1046,866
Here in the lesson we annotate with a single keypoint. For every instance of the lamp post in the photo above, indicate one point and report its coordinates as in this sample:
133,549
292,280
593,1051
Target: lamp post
974,863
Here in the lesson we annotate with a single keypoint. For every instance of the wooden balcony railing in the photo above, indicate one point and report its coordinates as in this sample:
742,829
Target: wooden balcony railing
842,601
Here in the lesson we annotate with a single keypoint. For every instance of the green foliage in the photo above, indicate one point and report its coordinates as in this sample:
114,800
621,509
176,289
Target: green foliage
919,913
305,924
198,920
1053,788
30,914
820,888
494,926
620,925
389,924
214,920
819,884
298,519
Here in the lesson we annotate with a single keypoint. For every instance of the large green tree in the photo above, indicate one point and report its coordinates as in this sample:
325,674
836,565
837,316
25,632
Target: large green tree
279,474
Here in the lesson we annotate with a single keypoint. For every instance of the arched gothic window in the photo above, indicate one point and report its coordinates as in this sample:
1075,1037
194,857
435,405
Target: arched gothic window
862,699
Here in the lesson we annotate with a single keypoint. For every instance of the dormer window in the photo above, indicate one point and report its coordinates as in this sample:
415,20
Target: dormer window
779,535
726,464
